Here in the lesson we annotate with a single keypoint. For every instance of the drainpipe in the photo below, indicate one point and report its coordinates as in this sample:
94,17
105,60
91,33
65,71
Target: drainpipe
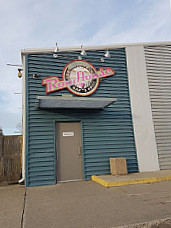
22,180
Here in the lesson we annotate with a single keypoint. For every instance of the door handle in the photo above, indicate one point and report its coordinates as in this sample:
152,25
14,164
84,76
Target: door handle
79,150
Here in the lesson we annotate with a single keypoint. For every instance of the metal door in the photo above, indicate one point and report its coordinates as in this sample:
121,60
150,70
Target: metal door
69,157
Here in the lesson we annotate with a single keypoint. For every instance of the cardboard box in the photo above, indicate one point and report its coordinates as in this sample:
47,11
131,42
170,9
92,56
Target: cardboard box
118,166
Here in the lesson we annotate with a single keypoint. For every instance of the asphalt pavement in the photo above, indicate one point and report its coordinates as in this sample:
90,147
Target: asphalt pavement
84,205
87,204
11,205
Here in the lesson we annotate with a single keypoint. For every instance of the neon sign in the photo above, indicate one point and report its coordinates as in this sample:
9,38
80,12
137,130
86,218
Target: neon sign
79,77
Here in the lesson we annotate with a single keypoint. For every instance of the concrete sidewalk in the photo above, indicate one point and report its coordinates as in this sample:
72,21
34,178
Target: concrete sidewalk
88,205
133,178
11,205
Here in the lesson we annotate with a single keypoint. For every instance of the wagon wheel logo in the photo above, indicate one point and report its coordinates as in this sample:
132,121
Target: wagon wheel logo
78,71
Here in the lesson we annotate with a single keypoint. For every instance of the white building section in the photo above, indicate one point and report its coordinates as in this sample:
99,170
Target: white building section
141,110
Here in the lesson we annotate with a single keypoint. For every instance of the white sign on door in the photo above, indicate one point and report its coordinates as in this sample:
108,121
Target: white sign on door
68,133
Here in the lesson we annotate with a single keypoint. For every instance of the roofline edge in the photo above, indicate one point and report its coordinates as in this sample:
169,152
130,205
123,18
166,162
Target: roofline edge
95,47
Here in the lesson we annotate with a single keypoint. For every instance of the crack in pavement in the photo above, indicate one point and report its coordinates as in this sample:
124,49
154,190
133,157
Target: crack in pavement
24,204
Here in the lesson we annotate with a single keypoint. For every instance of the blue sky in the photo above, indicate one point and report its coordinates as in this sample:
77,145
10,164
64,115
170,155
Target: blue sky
40,23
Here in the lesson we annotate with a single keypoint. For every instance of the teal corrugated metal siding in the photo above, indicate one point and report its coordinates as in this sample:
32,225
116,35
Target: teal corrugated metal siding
106,133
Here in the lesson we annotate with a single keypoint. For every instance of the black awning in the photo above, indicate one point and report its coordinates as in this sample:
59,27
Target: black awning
52,102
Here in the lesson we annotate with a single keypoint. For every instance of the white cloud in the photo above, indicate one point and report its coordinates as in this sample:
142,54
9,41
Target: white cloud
155,27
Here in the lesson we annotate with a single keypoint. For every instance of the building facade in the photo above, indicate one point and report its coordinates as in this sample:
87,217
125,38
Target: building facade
80,110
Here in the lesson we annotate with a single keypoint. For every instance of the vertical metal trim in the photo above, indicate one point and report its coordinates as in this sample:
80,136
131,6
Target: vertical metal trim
23,119
56,147
83,157
55,153
26,105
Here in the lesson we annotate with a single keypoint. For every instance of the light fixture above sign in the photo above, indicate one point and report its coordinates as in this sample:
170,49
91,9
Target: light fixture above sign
56,48
55,51
107,54
79,77
83,53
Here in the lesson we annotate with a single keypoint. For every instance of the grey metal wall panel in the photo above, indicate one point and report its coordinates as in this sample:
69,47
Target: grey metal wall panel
106,133
158,65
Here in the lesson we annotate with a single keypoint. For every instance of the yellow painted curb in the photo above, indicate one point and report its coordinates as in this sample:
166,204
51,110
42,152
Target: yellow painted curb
99,181
129,182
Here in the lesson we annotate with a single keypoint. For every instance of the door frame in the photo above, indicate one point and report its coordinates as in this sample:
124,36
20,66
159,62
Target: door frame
57,148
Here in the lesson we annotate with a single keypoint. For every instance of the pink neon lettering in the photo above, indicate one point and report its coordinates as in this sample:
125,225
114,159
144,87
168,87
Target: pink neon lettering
67,83
80,78
102,72
72,81
108,71
61,84
88,77
94,76
51,82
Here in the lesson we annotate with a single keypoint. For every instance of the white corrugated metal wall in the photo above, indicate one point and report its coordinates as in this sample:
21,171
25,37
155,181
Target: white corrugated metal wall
158,66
